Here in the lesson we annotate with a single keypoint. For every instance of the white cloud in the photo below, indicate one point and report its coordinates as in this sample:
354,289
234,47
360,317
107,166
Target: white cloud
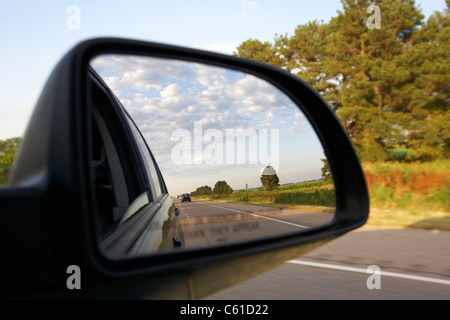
207,93
213,78
299,115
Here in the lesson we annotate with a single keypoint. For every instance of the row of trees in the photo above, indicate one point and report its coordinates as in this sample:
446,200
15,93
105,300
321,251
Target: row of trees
221,187
269,181
388,86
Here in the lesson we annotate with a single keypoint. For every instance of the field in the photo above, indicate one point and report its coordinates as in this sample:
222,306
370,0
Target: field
403,195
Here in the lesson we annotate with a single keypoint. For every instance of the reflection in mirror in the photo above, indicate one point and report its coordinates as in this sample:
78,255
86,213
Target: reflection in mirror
238,160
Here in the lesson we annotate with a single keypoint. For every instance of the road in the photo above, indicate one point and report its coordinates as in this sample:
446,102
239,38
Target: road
413,264
206,223
368,263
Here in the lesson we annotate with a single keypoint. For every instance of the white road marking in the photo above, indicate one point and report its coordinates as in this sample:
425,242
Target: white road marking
257,215
360,270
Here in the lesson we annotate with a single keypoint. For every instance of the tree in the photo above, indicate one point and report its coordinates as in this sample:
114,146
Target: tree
326,171
202,191
256,50
388,86
222,187
376,79
306,54
269,178
428,58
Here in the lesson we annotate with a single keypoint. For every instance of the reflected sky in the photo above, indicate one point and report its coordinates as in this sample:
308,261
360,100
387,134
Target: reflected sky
205,124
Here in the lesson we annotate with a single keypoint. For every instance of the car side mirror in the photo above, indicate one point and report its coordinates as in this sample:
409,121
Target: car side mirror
60,181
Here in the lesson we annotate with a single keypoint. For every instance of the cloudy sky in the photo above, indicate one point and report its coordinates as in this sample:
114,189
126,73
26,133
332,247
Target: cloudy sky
36,34
205,124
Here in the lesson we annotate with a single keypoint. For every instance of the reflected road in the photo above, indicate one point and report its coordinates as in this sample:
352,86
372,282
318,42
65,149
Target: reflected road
207,223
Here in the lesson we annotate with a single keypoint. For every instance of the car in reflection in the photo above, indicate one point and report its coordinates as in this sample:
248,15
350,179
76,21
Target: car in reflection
128,186
185,197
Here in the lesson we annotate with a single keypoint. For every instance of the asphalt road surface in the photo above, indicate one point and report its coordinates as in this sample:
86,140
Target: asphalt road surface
206,223
366,264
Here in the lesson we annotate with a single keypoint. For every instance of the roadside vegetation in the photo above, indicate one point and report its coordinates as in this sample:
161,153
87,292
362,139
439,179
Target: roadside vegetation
413,195
314,195
8,150
403,195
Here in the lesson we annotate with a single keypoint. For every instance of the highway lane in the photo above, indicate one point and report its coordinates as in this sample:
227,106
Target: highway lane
207,223
413,264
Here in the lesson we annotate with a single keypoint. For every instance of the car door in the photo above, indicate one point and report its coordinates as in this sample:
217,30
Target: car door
132,199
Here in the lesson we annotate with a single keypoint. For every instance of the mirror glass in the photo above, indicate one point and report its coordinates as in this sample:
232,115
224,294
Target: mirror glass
235,156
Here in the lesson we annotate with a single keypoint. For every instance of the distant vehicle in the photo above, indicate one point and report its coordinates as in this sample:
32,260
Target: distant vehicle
186,197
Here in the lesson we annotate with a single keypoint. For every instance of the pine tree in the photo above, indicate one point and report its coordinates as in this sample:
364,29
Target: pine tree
375,78
388,85
428,57
256,50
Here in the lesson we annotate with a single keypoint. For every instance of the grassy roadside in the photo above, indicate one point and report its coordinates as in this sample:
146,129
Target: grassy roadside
311,196
409,195
402,195
415,219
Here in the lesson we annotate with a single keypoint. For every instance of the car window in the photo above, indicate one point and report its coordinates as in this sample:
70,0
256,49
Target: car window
120,188
109,182
150,167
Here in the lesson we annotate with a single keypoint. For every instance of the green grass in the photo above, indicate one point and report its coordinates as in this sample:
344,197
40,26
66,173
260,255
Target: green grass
319,197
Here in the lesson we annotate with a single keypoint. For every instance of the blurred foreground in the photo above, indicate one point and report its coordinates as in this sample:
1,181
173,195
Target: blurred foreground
403,252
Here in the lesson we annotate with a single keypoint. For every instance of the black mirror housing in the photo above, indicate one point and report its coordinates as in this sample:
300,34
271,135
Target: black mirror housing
47,210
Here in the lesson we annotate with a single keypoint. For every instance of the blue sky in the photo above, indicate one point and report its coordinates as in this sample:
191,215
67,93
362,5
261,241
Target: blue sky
34,34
